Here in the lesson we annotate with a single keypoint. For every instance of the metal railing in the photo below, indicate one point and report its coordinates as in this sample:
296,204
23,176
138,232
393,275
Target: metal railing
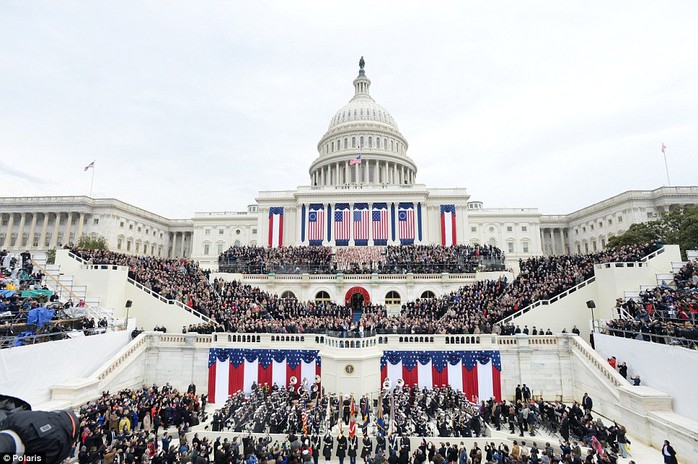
552,300
97,312
177,303
18,340
664,339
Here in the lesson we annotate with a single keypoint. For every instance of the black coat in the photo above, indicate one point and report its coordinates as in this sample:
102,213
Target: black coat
341,446
327,447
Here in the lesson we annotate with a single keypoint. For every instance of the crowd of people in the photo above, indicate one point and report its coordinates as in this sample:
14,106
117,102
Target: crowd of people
403,259
472,309
126,427
430,259
664,314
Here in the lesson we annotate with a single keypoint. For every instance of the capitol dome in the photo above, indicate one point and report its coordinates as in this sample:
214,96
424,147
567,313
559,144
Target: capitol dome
363,145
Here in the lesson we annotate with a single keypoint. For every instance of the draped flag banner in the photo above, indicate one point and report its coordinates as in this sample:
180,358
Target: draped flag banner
405,219
316,224
276,227
342,224
379,220
476,373
361,224
448,225
232,369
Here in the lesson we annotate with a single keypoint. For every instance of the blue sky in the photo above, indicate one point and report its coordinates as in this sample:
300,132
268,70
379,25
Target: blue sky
197,106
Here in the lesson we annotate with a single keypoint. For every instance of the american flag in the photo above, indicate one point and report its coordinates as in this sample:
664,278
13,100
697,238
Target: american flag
232,369
405,216
316,223
356,160
380,221
342,222
361,223
476,373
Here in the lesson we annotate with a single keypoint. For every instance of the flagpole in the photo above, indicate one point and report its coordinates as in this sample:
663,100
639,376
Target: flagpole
666,166
92,182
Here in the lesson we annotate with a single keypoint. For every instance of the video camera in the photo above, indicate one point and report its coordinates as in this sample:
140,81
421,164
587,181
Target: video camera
27,432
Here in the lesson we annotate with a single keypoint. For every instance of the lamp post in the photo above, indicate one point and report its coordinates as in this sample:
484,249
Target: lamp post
591,305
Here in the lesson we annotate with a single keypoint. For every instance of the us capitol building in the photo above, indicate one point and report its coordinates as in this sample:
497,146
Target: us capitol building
363,191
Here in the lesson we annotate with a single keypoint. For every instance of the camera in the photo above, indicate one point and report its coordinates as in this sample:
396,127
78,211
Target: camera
27,432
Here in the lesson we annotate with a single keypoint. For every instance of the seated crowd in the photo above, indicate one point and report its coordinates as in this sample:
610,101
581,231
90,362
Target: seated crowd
403,259
236,307
153,424
662,314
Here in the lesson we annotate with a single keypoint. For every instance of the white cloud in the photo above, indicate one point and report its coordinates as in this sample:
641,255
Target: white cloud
198,106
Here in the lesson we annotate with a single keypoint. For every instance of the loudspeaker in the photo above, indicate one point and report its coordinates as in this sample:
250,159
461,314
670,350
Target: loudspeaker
129,303
591,304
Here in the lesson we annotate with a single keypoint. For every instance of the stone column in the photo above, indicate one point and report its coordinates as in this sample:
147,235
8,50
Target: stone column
44,229
8,234
54,236
336,173
80,226
181,248
32,231
19,243
68,226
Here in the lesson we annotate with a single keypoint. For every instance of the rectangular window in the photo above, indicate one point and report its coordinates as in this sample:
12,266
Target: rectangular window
221,231
207,231
130,227
473,229
620,218
95,221
511,247
524,228
206,247
509,228
254,231
121,224
610,222
525,247
220,248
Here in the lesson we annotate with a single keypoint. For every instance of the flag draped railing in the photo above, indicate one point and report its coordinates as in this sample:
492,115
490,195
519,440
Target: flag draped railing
476,373
231,370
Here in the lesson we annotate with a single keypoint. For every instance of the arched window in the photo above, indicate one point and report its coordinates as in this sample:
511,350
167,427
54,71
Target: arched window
346,143
361,143
332,147
353,142
428,294
378,142
288,294
322,297
370,141
392,298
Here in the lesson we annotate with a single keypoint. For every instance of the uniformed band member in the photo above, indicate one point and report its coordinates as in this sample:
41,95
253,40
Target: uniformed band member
341,446
352,449
367,448
327,447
